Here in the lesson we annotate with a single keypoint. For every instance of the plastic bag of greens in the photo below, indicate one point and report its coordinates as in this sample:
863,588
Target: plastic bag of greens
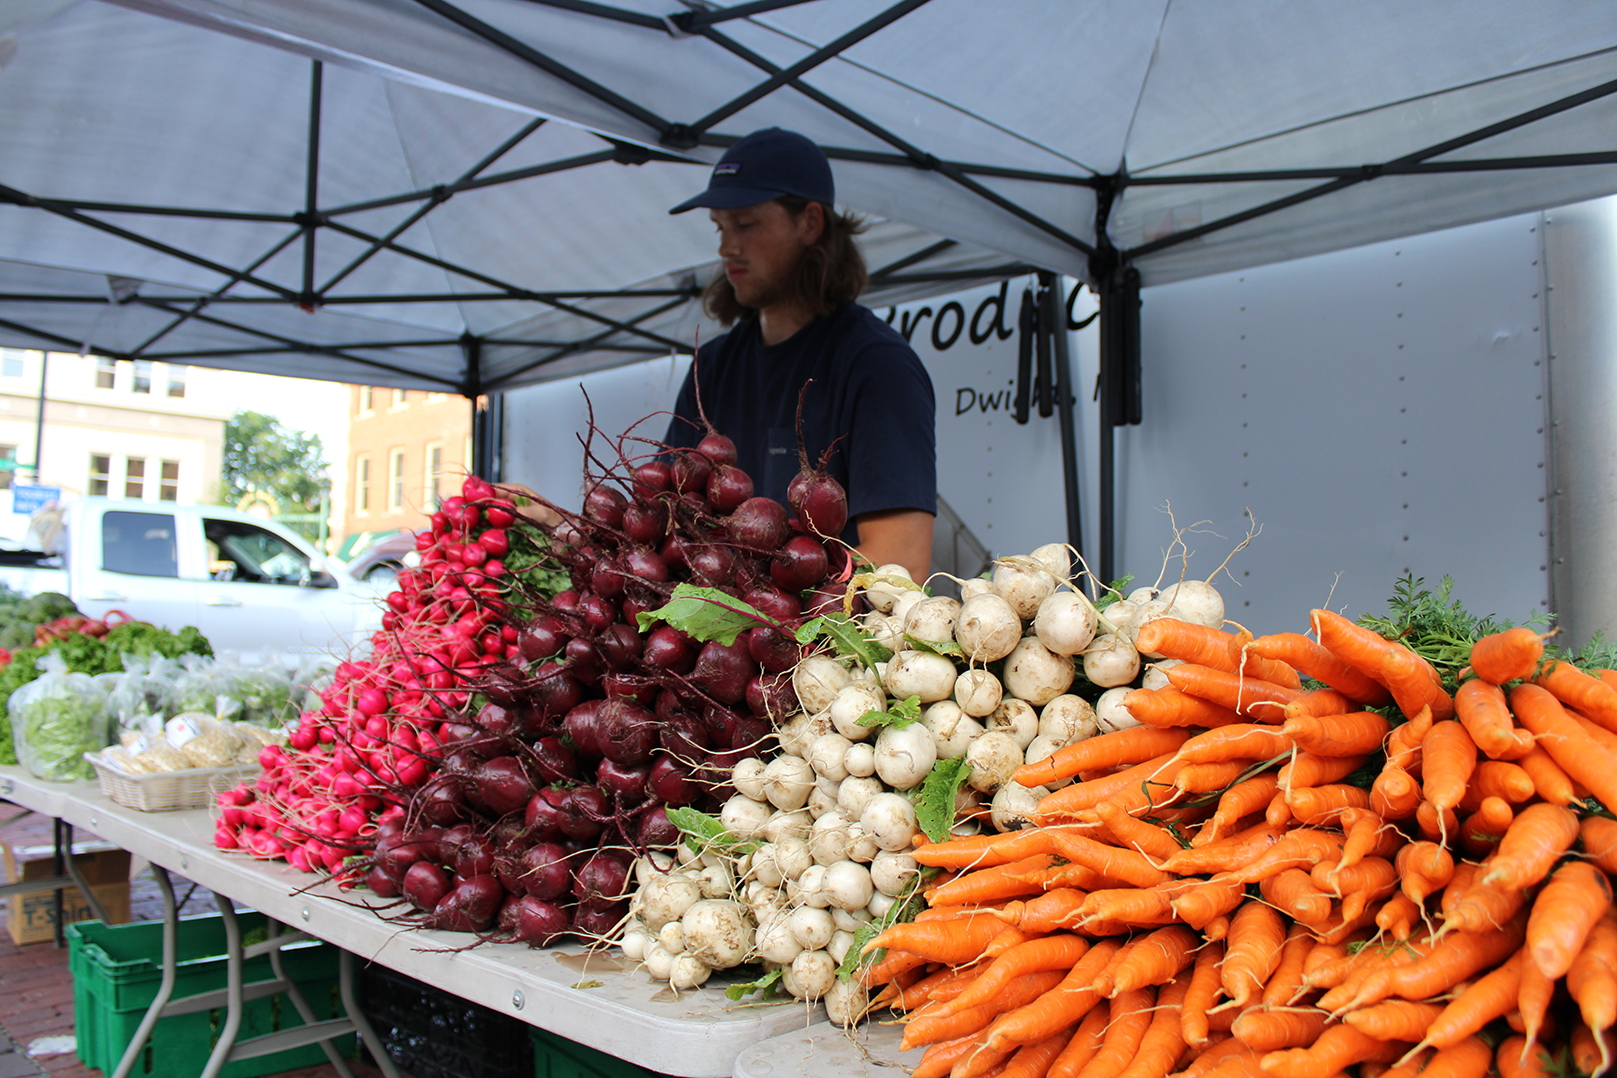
143,694
56,719
266,694
208,685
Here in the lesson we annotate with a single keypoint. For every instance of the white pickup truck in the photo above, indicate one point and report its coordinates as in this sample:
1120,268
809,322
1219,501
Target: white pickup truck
248,584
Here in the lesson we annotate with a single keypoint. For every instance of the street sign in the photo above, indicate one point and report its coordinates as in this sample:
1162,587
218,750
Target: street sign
28,500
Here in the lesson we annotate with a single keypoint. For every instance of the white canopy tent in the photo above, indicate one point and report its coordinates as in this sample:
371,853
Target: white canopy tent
471,195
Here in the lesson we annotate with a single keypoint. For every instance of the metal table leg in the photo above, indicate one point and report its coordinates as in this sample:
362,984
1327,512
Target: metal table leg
166,987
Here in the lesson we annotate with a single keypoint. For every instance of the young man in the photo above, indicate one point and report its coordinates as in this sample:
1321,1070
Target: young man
791,271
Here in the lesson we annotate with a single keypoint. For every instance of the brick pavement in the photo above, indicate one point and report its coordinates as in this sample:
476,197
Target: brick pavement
36,987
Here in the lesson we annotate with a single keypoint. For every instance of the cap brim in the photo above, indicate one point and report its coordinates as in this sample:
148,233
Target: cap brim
727,198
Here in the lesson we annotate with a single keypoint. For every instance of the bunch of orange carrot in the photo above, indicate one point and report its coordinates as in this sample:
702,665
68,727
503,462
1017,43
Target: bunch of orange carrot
1211,897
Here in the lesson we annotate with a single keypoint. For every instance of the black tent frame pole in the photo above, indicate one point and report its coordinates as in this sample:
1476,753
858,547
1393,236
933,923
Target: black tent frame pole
1117,285
1054,320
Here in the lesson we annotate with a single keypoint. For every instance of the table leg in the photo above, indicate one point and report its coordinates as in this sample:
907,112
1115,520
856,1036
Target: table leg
166,987
233,968
96,909
362,1025
302,1005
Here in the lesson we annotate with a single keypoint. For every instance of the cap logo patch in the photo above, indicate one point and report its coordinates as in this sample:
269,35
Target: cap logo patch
727,168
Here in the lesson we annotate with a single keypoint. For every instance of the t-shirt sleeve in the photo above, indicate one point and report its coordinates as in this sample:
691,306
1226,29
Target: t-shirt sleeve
892,446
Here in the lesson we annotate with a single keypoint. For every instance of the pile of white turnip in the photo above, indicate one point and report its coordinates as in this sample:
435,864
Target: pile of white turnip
815,839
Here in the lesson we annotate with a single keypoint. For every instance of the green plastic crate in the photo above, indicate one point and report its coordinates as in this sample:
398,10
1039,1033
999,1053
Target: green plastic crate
557,1057
117,970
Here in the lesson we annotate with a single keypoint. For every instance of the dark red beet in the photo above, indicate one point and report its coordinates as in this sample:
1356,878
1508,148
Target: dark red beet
748,735
441,800
544,815
584,812
652,478
656,829
645,565
609,580
759,524
620,646
598,611
628,731
555,691
583,725
474,857
768,599
723,670
637,687
540,923
669,649
683,735
772,649
584,660
820,503
728,487
718,449
671,784
426,884
471,906
799,564
691,472
542,638
595,923
712,565
566,602
771,696
602,880
545,871
646,522
627,783
605,505
554,760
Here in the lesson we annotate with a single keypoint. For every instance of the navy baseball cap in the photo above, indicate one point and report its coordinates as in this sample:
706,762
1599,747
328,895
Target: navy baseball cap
766,165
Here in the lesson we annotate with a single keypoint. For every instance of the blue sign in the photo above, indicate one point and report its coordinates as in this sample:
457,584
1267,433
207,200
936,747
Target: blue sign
28,500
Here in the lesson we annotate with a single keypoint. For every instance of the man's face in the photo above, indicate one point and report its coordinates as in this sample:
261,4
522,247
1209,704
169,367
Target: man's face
761,246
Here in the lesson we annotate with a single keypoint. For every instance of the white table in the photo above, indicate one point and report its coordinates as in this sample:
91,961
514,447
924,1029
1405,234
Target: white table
592,1000
813,1051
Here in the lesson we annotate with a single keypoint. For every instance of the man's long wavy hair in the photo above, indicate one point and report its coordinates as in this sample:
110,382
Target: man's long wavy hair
831,273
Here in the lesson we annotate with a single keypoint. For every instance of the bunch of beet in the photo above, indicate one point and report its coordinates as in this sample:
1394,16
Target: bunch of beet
507,747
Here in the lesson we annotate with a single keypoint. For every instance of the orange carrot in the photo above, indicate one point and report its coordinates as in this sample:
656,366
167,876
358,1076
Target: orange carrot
1591,980
1591,1051
1132,1014
1600,841
1370,873
1469,1058
1024,877
1263,700
1131,905
1201,994
1127,866
1056,908
1307,769
1585,692
1241,741
1085,1043
925,1029
1481,832
1482,710
1552,783
984,851
1456,957
1033,1060
941,1057
954,942
1353,734
1287,979
1270,1029
1315,661
1170,638
1362,830
1355,645
1171,707
1565,912
1398,916
1403,744
1218,1050
1536,838
1314,805
1058,952
1104,751
1533,998
1491,996
1506,656
1497,778
1161,1044
1156,959
1394,794
1233,852
1238,802
1448,756
1073,998
1583,758
1483,906
1295,894
1424,868
1252,951
1300,848
1336,1048
1413,685
1063,805
1435,823
1395,1019
1514,1060
1207,778
1203,904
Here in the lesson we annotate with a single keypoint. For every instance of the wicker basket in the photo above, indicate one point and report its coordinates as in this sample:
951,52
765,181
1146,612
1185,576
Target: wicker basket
166,791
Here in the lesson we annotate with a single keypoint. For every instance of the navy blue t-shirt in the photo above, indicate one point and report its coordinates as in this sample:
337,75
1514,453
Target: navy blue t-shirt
869,394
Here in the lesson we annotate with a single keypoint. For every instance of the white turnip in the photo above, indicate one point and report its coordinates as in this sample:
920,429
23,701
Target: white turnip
1065,623
978,692
1056,558
932,619
845,1001
748,778
792,856
1111,661
1042,748
892,871
1035,673
860,760
827,755
1110,712
889,818
687,971
848,885
904,755
970,589
1066,719
743,817
823,798
1016,717
1156,674
811,975
849,920
953,730
852,704
1195,601
861,846
993,758
658,962
1124,617
988,629
882,594
884,629
1024,583
841,942
828,841
672,937
920,673
717,932
880,906
811,887
817,680
665,898
855,794
783,824
811,928
788,781
774,941
798,732
1014,805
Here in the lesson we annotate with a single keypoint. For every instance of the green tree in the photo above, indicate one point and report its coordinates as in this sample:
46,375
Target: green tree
261,456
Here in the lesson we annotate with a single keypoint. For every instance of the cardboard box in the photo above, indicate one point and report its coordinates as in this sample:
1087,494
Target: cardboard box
31,915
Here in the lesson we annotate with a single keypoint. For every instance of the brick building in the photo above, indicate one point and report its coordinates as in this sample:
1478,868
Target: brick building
406,450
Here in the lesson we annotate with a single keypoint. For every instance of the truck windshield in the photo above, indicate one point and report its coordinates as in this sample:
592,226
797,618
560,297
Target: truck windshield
140,544
238,551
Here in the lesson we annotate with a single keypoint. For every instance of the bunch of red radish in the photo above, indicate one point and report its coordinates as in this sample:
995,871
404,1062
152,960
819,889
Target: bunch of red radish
504,752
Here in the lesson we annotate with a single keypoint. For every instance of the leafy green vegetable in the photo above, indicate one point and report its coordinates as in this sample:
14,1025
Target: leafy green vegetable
934,805
532,560
764,984
946,648
706,614
1433,625
703,832
900,715
1113,591
845,636
55,721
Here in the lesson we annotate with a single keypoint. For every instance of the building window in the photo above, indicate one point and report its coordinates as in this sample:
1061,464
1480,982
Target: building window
435,472
100,473
8,465
362,485
11,365
395,479
366,400
398,398
435,398
143,376
135,477
168,489
176,379
106,372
